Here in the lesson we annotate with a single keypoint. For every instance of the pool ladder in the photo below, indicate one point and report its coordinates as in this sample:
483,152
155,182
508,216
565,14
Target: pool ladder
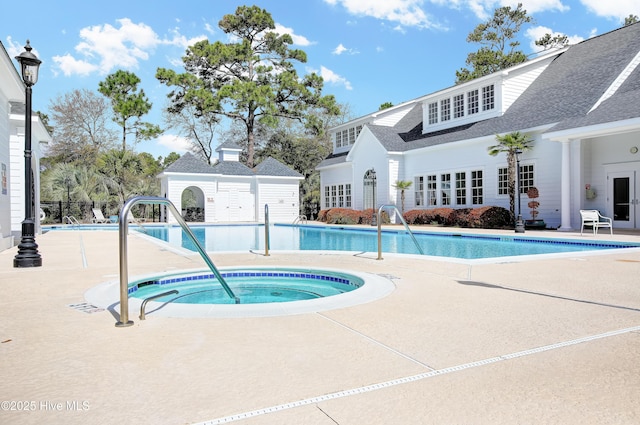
124,264
406,226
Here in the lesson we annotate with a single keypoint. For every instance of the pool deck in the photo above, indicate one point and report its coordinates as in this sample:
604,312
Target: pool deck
553,341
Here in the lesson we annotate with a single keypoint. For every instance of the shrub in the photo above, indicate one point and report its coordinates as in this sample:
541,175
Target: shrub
483,217
349,216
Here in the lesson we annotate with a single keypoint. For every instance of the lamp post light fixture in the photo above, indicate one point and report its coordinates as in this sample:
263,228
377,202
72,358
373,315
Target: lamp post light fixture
28,255
519,222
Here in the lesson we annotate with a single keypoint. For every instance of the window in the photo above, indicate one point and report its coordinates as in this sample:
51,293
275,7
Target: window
334,202
352,135
419,193
488,98
432,194
461,188
347,192
327,199
358,130
503,181
445,109
338,139
433,113
445,188
526,177
472,102
476,187
458,106
341,196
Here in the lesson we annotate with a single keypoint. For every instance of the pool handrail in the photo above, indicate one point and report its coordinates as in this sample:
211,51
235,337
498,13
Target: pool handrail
406,226
146,300
267,236
123,225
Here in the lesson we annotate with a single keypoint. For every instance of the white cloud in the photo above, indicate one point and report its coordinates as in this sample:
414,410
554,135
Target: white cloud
483,9
406,13
332,78
619,9
341,49
72,66
105,47
298,40
175,143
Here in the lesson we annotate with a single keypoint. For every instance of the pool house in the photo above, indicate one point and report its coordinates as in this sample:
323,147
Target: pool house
578,104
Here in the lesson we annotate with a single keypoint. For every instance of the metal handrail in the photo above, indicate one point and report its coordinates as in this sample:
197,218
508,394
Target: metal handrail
146,300
124,272
406,226
70,219
267,236
300,219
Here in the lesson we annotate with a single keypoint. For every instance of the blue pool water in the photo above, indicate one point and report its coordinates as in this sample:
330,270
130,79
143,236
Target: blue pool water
250,285
222,238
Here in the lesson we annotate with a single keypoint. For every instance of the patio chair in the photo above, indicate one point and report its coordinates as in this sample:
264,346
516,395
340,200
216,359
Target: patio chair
98,217
594,219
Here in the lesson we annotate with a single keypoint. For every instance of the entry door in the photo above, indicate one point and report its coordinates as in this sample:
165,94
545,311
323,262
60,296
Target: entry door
623,199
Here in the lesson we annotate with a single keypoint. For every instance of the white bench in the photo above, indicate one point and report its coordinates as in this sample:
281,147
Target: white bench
594,219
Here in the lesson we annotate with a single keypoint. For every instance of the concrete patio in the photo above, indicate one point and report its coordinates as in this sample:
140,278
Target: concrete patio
555,340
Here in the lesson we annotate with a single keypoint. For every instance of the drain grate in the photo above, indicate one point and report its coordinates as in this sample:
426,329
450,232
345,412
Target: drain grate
86,308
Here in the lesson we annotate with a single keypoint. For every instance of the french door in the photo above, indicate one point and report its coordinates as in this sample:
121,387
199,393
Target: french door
622,198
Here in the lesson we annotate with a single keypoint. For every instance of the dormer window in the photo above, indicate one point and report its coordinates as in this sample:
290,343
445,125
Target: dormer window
445,109
458,106
472,102
488,98
347,137
433,113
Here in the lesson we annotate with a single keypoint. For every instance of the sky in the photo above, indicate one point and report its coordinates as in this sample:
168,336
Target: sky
368,52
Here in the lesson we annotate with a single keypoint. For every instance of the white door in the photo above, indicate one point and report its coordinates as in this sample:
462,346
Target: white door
623,198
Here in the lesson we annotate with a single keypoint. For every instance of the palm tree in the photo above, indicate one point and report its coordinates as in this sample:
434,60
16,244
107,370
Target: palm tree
402,185
511,143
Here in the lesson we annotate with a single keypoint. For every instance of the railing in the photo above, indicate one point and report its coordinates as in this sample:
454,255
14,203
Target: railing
300,219
124,266
69,219
267,237
406,226
144,303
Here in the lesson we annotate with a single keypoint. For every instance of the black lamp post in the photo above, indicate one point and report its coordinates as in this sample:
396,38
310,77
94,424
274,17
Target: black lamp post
519,222
28,255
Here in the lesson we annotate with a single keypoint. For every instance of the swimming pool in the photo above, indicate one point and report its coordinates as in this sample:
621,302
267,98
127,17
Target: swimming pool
250,285
243,238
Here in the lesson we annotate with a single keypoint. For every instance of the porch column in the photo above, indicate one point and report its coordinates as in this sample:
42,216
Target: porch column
565,197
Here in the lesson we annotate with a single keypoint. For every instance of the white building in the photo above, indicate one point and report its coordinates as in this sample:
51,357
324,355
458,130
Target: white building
229,191
12,128
580,105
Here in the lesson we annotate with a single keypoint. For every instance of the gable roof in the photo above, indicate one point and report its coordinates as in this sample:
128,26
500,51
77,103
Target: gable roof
189,163
561,96
273,167
231,168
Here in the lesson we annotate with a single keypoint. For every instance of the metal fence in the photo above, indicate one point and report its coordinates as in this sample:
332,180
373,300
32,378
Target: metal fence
55,211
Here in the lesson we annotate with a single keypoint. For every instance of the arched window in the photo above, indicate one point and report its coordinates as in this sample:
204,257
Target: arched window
369,188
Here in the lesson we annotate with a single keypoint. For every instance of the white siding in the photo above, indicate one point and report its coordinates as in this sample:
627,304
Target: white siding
5,200
392,117
283,199
518,81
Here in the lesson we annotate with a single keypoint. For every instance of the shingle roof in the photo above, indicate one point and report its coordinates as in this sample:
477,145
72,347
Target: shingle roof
229,144
231,168
564,93
273,167
189,163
